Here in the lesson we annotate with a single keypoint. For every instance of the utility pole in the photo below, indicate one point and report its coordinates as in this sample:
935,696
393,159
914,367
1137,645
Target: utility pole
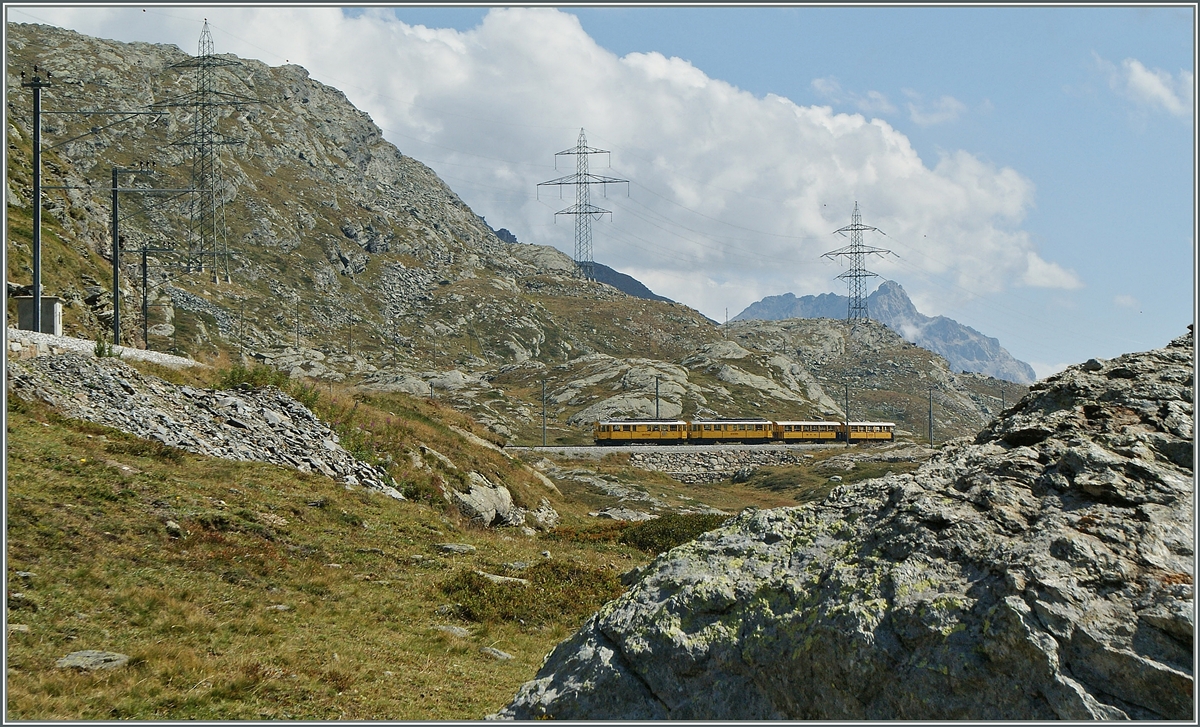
857,275
395,346
847,415
583,209
543,412
297,332
37,84
655,397
117,242
930,416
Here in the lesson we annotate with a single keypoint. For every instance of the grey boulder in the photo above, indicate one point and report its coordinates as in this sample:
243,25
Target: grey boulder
1042,571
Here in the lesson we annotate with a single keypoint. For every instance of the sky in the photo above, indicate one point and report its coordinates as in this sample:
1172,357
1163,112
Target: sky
1031,169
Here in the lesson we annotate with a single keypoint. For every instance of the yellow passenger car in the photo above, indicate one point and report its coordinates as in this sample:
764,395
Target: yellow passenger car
730,430
645,431
871,432
808,431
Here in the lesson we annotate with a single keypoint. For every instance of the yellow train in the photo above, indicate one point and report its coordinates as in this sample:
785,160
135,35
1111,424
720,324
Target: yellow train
749,431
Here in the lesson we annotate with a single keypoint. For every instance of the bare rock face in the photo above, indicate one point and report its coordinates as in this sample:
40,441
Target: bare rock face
1043,570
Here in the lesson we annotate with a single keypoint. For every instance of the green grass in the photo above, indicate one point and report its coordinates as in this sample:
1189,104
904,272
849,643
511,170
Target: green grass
360,574
650,536
804,484
556,590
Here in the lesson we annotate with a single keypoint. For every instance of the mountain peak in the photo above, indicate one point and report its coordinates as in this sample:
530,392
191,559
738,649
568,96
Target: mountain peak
964,348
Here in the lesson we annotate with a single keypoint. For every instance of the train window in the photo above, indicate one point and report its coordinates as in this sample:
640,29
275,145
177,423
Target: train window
758,427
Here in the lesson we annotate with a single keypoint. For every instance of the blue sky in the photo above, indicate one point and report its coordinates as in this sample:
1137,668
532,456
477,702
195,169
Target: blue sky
1033,167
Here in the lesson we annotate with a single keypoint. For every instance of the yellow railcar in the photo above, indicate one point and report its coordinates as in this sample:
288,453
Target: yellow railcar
871,432
808,431
729,430
647,431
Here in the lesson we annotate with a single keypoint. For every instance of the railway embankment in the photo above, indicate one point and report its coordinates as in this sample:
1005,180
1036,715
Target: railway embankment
715,464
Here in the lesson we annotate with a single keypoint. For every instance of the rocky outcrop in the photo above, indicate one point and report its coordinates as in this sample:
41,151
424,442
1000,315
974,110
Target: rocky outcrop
262,425
1043,570
963,347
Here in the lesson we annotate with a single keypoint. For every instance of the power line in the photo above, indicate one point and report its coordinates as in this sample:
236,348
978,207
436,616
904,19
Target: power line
583,210
204,138
857,275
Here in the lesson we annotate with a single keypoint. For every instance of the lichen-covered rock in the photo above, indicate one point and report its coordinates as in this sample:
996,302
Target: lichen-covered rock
1043,570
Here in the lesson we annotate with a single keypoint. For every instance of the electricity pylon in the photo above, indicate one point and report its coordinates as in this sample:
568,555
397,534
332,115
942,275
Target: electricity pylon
207,241
583,209
857,275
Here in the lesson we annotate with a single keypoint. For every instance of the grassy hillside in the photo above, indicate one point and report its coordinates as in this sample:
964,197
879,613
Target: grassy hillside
203,616
250,591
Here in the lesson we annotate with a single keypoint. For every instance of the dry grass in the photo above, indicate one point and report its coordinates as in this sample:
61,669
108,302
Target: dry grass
360,574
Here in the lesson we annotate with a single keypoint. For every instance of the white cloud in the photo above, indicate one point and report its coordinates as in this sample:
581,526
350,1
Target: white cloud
733,196
945,109
1153,88
1125,301
872,102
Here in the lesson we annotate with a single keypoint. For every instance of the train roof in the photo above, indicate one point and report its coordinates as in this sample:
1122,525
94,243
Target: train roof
874,424
641,421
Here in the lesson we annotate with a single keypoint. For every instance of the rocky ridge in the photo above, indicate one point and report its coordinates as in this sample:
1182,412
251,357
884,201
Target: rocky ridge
1043,570
965,348
260,425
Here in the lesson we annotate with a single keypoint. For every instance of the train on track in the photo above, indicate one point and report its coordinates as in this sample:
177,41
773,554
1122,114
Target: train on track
748,431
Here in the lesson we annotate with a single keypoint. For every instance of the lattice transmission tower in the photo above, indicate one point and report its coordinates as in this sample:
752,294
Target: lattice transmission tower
208,243
583,209
856,251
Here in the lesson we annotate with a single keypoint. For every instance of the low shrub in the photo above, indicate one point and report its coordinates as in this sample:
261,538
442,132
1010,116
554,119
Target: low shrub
253,376
663,533
601,532
556,590
146,448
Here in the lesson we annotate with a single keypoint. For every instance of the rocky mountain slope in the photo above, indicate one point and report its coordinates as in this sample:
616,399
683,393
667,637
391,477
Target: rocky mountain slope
626,283
1042,570
965,348
353,262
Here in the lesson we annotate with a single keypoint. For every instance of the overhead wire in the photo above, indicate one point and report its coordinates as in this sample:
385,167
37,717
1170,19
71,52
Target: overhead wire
632,151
